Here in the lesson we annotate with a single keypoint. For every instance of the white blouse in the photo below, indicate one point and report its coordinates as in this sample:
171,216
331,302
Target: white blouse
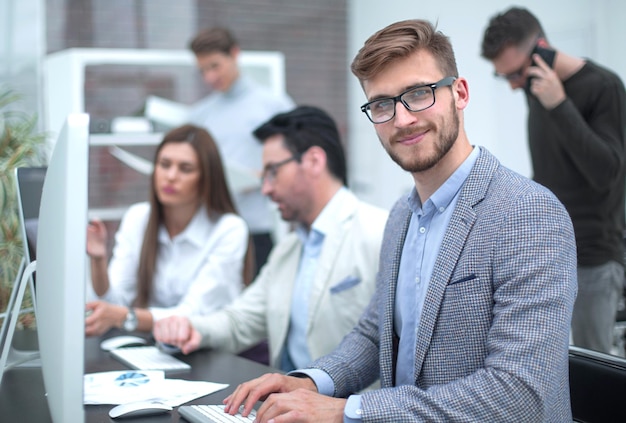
197,272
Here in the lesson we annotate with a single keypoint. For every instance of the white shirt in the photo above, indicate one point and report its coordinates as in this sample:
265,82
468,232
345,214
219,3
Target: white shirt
197,272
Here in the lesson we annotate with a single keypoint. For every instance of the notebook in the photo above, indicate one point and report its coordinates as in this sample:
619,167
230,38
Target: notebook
149,358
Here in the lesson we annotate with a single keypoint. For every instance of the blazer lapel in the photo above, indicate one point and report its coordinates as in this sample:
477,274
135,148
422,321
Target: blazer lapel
389,272
461,223
333,241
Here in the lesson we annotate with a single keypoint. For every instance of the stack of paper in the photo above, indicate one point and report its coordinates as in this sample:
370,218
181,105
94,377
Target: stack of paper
121,387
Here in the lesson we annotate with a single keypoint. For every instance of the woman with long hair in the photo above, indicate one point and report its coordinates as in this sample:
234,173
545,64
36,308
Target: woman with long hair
185,252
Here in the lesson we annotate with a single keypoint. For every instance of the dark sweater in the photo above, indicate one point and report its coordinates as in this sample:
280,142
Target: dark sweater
578,152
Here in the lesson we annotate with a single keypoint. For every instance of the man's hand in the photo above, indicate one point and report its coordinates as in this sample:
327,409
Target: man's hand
178,331
545,84
301,406
248,393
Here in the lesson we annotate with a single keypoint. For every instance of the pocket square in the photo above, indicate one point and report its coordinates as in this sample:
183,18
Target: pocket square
344,284
465,279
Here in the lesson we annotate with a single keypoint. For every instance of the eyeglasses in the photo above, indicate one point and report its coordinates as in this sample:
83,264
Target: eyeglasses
513,76
518,74
414,99
271,170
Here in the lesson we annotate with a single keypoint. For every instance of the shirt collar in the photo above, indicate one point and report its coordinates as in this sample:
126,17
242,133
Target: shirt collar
195,232
331,213
444,195
238,87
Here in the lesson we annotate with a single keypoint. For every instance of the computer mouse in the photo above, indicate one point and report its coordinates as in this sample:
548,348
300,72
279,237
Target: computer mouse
138,408
167,348
122,341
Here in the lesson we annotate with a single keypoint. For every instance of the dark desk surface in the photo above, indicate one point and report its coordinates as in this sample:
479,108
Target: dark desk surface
22,396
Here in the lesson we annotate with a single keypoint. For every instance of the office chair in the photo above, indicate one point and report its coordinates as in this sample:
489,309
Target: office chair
619,329
597,386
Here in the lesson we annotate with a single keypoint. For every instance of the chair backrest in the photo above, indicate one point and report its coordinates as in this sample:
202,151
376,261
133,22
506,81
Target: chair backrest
29,188
597,386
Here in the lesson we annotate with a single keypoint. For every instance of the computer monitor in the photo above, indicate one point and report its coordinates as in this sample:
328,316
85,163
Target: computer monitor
61,263
29,187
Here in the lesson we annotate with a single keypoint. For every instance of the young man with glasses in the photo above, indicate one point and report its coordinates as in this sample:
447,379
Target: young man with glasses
576,123
319,278
477,278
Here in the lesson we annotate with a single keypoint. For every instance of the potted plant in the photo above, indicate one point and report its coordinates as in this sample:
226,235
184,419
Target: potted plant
21,144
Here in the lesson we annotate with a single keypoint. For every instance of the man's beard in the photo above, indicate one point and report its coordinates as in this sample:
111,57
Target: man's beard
443,144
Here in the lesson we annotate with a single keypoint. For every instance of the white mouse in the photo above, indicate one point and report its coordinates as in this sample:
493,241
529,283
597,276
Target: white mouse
121,341
138,408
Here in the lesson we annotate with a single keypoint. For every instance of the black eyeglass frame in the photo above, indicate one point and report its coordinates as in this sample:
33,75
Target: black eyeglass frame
445,82
271,170
518,74
513,76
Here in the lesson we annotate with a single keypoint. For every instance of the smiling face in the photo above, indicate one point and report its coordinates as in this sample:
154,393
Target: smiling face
417,141
177,175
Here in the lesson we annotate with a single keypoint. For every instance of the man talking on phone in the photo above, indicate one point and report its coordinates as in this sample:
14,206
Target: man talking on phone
576,125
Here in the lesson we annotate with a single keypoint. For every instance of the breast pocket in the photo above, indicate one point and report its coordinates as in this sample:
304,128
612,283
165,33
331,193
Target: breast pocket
467,307
344,284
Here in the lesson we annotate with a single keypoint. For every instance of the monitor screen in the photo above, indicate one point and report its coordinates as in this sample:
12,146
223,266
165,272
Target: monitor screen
61,264
29,186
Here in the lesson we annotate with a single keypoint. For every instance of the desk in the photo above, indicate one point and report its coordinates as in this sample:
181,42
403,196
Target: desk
22,395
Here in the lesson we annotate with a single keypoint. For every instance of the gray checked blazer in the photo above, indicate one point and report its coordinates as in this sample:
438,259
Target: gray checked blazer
492,344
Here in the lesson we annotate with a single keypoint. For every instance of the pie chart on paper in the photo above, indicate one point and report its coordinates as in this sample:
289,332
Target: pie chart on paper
132,379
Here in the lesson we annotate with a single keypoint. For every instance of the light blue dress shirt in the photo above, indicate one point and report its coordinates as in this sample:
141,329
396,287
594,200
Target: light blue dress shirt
421,247
423,240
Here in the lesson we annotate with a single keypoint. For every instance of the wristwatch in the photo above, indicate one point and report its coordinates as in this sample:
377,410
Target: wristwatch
131,322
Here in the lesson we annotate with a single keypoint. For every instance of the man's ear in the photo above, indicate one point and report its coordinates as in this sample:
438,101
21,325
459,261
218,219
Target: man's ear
461,93
234,51
314,160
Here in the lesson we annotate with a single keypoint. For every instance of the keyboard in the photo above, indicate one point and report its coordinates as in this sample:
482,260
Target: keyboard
148,358
212,414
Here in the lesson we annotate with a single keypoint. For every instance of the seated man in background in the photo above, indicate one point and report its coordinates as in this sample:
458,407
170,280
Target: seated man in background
318,279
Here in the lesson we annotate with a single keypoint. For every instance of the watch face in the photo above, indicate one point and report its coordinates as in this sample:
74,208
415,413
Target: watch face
130,324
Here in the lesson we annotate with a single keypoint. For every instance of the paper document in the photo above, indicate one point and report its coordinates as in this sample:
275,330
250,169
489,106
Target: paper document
121,387
166,112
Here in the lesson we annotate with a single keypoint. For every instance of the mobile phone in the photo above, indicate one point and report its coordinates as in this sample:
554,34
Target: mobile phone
547,54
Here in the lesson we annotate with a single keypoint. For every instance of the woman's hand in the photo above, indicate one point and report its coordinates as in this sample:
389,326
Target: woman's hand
97,239
102,316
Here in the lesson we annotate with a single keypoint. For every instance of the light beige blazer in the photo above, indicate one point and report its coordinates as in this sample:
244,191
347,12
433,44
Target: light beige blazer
343,285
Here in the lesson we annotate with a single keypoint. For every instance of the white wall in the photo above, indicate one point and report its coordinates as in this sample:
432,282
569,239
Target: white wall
496,116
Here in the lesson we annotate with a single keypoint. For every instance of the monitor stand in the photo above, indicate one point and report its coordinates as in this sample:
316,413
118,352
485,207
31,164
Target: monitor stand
11,356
